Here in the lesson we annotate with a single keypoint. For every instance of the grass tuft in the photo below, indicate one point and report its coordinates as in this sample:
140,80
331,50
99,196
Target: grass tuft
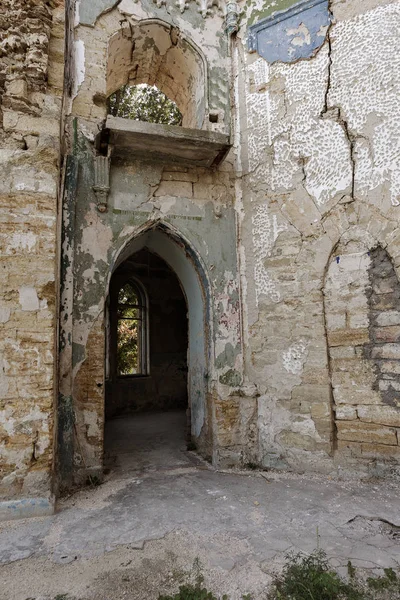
311,578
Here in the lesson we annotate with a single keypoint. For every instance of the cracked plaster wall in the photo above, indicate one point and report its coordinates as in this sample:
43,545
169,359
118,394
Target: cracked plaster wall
318,146
31,84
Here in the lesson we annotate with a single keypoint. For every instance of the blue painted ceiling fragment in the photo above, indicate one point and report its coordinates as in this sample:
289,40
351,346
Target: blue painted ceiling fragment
292,34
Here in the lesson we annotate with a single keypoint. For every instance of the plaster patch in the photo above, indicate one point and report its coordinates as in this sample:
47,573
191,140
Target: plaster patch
79,55
21,241
96,236
295,357
92,424
5,314
266,230
6,420
28,298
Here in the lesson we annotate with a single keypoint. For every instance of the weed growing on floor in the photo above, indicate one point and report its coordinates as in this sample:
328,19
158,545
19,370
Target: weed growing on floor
197,590
311,578
390,582
304,577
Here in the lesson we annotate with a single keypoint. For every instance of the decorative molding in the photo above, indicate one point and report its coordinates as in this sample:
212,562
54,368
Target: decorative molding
102,182
232,17
205,7
291,34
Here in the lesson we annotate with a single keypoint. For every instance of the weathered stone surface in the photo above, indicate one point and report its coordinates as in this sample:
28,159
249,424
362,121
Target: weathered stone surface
385,415
289,250
29,171
356,431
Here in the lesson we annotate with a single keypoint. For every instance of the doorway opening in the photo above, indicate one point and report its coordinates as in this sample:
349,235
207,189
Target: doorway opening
146,409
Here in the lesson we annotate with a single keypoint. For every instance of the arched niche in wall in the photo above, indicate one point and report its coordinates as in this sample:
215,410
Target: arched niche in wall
155,53
362,315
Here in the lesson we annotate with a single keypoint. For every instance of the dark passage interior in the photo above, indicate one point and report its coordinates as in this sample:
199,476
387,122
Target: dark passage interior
146,393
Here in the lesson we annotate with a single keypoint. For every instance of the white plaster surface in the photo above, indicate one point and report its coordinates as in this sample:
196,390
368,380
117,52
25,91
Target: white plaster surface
28,298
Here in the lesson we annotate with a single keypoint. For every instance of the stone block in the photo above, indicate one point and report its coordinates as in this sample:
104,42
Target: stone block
227,418
321,410
359,320
363,395
389,384
291,439
357,431
380,450
347,352
312,394
387,334
202,191
324,428
349,337
390,367
349,378
385,286
387,318
17,88
352,449
180,189
390,351
179,176
335,321
384,415
346,413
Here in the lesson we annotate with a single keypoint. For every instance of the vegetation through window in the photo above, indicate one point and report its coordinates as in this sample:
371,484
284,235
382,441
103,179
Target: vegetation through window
144,103
131,323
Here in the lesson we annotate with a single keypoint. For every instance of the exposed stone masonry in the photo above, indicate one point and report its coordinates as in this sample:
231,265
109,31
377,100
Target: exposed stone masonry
362,296
31,82
25,29
384,304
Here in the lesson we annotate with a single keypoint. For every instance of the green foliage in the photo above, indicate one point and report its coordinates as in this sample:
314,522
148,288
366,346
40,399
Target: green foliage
128,330
389,581
310,578
144,103
351,570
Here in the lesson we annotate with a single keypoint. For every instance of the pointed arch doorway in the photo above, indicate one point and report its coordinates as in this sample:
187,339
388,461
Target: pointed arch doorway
156,359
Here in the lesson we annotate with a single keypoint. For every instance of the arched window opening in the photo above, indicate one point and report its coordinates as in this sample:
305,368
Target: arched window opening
144,102
156,54
131,331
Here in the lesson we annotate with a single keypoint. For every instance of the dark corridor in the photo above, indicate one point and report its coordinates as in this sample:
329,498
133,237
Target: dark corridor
147,303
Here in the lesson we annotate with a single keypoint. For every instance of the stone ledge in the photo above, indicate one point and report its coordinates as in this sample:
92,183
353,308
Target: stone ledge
26,508
169,143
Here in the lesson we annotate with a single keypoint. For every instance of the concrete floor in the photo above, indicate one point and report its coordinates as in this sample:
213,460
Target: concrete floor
147,442
162,511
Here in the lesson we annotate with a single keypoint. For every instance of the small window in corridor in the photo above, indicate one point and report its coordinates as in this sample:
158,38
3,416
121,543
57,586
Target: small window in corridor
144,103
131,331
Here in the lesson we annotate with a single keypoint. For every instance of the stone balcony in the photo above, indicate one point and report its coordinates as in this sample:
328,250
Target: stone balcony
169,143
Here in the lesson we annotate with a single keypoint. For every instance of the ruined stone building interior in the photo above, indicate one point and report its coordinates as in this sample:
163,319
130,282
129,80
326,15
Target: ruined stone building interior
225,284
